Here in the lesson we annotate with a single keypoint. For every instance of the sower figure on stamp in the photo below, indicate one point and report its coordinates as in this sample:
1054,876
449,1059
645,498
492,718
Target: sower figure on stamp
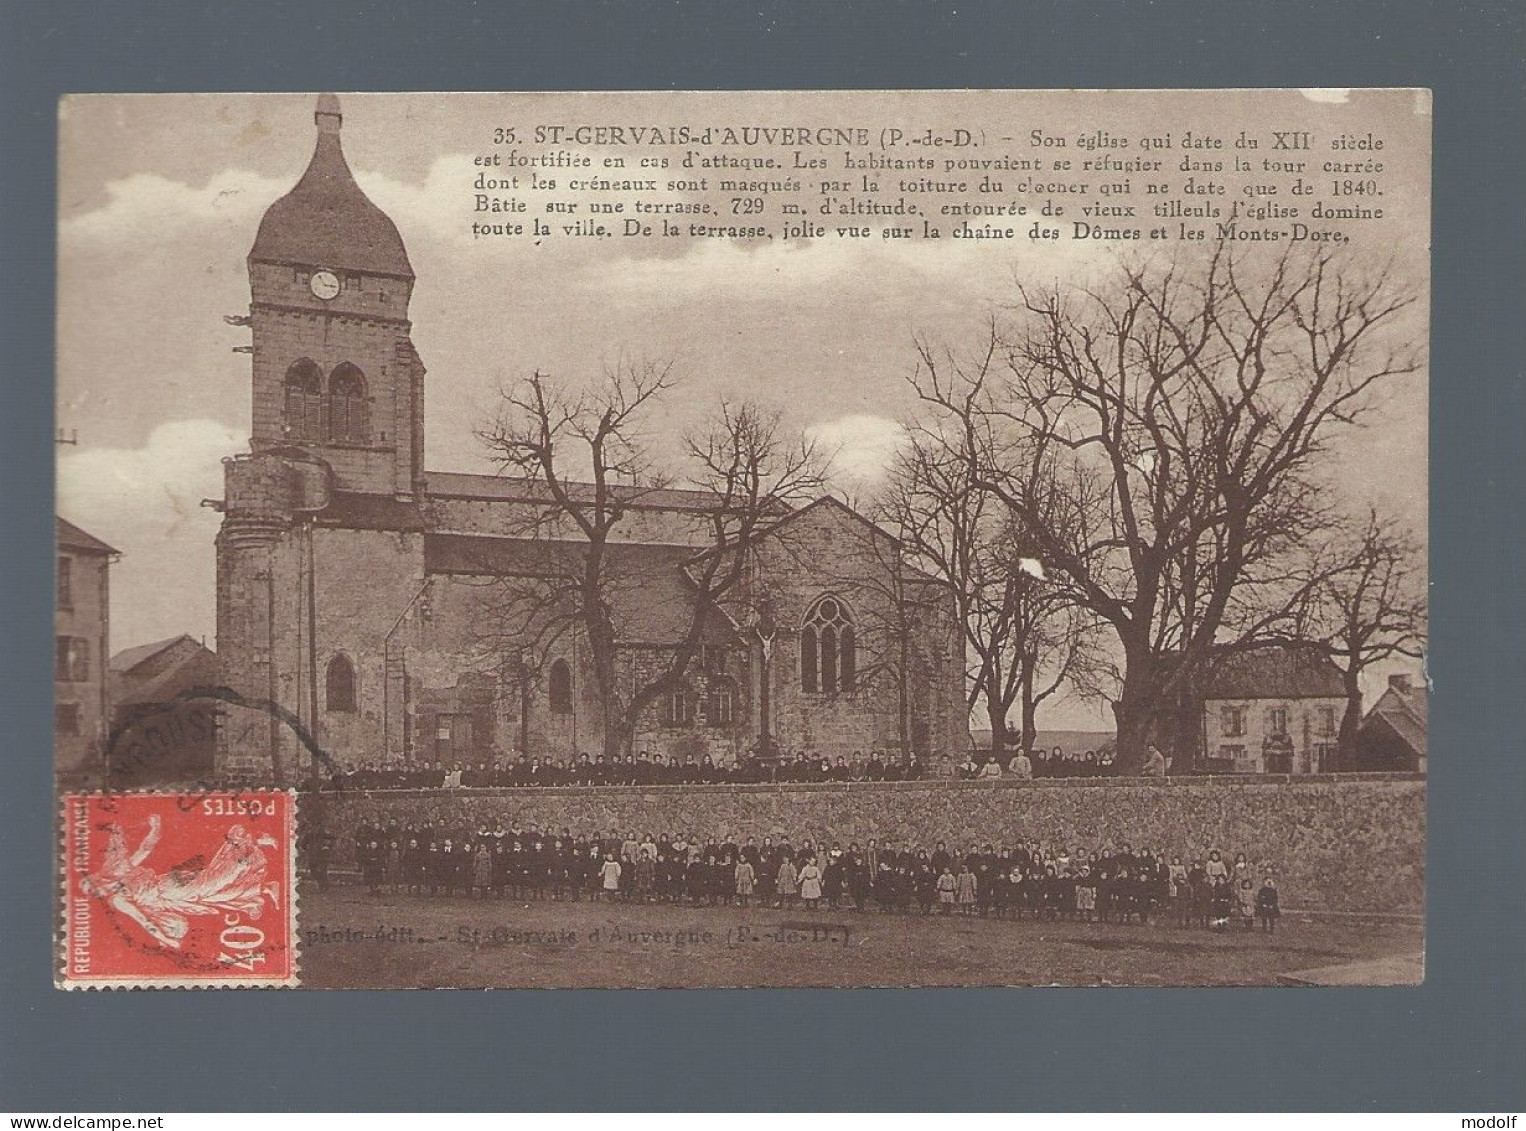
233,880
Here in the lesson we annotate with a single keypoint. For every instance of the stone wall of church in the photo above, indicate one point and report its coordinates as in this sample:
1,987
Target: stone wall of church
443,685
507,518
1349,843
434,673
829,552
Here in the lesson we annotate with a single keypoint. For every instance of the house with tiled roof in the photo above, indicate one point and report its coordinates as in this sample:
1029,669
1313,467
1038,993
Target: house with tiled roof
162,731
1269,708
82,637
1393,732
1272,709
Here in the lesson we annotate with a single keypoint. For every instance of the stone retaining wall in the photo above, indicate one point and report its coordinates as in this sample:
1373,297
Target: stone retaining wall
1353,842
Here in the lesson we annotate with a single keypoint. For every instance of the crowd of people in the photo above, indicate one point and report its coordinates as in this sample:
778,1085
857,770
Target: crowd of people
636,769
1108,884
659,769
1056,763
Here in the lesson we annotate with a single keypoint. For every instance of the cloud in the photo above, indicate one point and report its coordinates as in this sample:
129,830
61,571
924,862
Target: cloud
441,205
146,502
231,202
860,446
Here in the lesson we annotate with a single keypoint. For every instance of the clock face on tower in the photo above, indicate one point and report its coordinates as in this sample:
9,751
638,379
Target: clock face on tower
325,285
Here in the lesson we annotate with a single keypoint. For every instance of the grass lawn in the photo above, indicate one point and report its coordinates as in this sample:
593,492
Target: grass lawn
352,939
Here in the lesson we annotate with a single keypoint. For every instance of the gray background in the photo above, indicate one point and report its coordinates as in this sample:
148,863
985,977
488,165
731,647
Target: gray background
1454,1044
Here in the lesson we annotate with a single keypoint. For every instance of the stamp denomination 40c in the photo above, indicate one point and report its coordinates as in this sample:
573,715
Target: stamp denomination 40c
178,890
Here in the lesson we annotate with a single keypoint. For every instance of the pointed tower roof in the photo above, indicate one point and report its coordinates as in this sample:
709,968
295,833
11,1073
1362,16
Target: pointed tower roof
326,220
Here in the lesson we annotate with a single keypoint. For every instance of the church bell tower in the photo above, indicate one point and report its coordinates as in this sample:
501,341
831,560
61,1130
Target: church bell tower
338,428
335,373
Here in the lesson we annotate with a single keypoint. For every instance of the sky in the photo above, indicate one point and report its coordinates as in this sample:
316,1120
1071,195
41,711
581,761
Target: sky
160,196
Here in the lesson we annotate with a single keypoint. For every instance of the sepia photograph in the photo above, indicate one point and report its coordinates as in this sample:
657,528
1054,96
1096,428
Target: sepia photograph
742,540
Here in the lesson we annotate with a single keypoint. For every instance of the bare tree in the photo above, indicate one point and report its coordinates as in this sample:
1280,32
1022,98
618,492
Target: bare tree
589,456
1187,412
1025,638
1369,605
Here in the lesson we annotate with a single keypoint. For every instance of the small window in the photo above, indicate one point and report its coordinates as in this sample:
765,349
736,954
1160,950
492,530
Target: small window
678,708
66,718
444,750
1279,720
339,685
347,405
304,401
561,688
1327,721
1232,721
65,583
71,659
720,702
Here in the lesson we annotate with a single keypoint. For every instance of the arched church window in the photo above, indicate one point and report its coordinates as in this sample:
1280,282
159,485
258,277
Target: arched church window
720,701
304,401
828,649
347,405
678,707
339,685
561,688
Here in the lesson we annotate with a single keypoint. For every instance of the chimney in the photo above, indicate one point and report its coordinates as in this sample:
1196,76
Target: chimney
1399,682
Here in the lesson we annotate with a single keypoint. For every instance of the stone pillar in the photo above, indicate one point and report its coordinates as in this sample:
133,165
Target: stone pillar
257,519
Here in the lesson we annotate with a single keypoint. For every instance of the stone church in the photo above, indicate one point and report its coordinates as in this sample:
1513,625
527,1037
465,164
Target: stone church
353,585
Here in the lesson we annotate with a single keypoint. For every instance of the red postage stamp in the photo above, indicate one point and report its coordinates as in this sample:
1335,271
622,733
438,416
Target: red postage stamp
179,889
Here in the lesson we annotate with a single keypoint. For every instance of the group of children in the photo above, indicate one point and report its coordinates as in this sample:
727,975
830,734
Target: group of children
631,769
1117,885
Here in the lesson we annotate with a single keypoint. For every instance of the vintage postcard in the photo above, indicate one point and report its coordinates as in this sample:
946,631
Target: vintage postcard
882,538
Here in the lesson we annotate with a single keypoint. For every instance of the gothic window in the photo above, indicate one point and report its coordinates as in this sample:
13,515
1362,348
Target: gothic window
720,701
678,707
304,401
347,405
561,688
828,651
339,685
